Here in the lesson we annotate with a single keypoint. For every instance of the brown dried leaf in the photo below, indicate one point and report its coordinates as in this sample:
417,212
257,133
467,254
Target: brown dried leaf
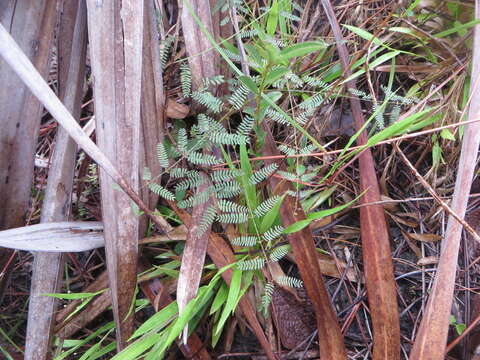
389,205
329,267
425,237
176,110
401,220
412,245
428,260
294,316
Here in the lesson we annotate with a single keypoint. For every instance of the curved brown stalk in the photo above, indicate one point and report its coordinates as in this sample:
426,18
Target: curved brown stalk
378,265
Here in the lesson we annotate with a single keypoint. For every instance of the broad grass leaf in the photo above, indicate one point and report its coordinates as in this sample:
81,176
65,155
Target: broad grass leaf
301,49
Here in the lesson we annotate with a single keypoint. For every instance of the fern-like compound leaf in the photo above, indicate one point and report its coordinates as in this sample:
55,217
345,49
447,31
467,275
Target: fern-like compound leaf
277,117
161,191
182,140
207,124
379,118
307,149
226,138
287,150
245,126
228,189
251,264
190,183
231,55
279,252
294,79
245,241
312,102
290,281
232,218
194,200
225,21
202,159
178,173
213,81
207,219
162,155
315,82
273,233
147,174
266,206
165,47
208,100
230,206
185,79
239,96
289,16
225,175
303,117
262,174
287,175
249,33
267,297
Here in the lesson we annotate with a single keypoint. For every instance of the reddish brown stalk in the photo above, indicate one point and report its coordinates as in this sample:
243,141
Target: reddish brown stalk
380,282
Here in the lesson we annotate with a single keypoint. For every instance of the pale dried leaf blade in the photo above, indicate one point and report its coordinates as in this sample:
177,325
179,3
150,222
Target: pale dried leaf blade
116,28
432,336
193,257
55,237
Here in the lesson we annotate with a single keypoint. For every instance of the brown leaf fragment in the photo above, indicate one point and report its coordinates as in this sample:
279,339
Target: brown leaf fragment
412,245
425,237
328,267
403,221
293,316
176,110
428,260
388,203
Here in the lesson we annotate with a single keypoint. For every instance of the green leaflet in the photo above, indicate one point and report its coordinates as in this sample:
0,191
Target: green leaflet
233,293
299,225
301,49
